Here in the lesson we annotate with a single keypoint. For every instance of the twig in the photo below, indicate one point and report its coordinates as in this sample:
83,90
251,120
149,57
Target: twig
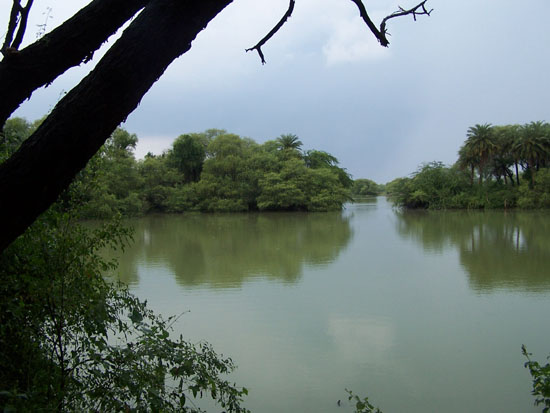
283,20
402,12
381,33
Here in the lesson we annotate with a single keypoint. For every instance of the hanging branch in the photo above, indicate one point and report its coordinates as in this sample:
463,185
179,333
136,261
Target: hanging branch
381,34
364,15
283,20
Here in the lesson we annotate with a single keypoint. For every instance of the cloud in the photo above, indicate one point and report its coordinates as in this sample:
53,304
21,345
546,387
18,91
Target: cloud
351,41
155,144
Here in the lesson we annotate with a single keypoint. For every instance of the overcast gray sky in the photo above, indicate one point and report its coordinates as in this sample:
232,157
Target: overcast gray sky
381,112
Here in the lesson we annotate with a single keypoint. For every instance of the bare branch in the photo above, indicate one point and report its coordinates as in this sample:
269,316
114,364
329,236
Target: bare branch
418,10
12,24
365,16
283,20
381,33
22,25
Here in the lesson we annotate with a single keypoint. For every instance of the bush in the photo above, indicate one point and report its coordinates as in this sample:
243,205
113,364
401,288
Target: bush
73,342
541,380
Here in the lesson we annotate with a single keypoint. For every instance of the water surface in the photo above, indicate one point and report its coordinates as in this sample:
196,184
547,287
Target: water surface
422,312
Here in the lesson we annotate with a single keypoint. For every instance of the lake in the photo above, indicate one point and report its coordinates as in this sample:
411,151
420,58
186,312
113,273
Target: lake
420,311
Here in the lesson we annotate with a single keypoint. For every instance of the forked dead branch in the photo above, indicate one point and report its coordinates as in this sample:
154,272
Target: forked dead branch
380,33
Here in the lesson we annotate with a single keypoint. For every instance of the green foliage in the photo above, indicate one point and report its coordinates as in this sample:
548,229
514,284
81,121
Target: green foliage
433,186
541,380
73,342
361,405
365,187
298,188
212,171
495,155
289,145
15,131
538,196
109,184
188,154
160,184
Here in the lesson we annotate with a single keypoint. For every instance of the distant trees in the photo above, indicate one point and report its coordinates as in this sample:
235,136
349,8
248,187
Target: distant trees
507,161
365,187
496,150
158,32
208,171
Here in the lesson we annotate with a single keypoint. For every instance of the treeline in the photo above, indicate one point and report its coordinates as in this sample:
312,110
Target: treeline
497,167
209,171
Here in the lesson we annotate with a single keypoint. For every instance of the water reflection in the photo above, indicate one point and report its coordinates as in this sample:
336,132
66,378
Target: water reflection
498,249
223,250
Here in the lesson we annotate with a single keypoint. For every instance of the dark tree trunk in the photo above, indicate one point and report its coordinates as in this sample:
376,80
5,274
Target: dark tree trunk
517,172
33,178
66,46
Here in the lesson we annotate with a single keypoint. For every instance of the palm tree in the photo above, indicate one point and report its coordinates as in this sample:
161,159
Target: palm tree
503,158
533,146
288,142
467,160
289,145
511,135
480,145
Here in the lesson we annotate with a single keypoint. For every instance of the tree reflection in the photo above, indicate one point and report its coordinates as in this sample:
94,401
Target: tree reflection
498,249
223,250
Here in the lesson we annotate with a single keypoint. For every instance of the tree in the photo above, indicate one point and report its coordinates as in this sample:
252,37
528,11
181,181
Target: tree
188,154
83,120
533,146
506,155
467,159
365,187
480,145
289,142
15,131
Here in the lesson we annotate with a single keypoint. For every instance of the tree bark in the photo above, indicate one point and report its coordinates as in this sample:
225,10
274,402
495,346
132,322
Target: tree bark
33,178
68,45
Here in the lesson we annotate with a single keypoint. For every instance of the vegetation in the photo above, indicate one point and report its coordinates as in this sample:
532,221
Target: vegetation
361,405
82,121
209,171
366,187
541,380
498,167
71,341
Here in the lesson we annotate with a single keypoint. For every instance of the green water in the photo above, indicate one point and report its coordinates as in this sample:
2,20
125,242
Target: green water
422,312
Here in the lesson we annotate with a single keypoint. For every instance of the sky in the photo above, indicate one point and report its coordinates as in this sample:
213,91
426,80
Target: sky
382,112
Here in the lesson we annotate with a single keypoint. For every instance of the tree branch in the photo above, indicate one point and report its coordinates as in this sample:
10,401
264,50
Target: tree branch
365,16
46,163
283,20
402,12
381,33
66,46
22,24
12,25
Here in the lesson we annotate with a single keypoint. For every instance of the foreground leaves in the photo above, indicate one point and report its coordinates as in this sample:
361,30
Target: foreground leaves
73,342
541,380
